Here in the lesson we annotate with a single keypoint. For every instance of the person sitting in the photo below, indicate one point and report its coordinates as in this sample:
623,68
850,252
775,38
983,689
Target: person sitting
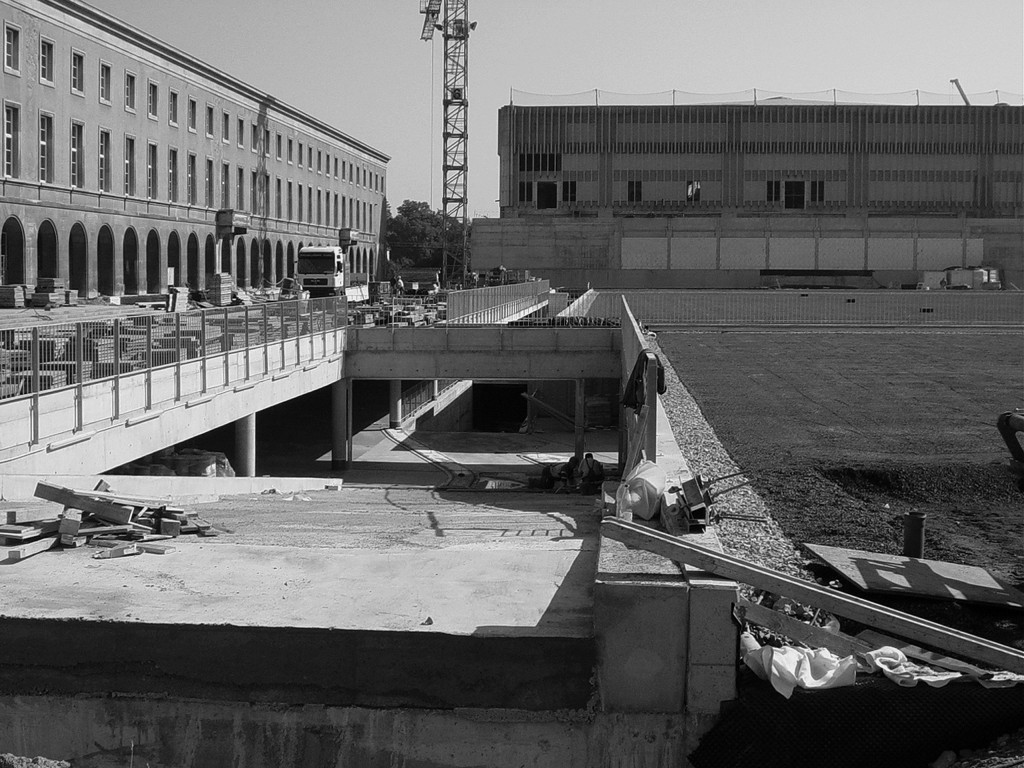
591,475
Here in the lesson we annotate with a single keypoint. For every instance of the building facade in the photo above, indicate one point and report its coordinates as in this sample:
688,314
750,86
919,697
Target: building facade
720,195
119,150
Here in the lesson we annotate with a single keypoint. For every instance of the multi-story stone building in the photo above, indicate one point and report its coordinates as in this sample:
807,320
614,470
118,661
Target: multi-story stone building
118,151
744,195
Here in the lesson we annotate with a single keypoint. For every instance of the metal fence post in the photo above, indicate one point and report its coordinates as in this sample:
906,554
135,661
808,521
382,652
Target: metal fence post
35,384
79,376
225,345
245,315
149,362
265,330
202,345
177,356
117,369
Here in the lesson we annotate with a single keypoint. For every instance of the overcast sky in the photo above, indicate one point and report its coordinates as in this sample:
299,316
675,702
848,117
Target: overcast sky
360,64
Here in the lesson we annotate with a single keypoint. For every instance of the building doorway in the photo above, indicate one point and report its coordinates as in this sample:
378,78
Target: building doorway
105,261
794,194
130,262
12,253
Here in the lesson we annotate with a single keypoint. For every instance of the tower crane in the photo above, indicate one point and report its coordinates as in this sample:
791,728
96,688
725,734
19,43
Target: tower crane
451,17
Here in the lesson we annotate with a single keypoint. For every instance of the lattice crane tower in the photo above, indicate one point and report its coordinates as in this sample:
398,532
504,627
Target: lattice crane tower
455,28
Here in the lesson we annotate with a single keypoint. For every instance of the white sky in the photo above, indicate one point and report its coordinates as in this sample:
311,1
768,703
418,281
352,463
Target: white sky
360,64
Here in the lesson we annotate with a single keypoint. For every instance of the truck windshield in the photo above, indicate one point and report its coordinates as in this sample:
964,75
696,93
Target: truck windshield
316,264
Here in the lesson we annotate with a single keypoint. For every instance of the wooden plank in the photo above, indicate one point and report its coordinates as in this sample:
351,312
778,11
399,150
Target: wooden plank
112,513
26,532
22,551
26,516
903,624
895,574
815,637
100,529
141,546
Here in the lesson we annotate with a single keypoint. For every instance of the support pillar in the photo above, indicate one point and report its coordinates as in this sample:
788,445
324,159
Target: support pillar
580,420
245,446
395,404
341,424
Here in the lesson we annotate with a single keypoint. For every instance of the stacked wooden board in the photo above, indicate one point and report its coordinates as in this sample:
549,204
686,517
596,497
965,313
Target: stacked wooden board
12,296
120,525
218,289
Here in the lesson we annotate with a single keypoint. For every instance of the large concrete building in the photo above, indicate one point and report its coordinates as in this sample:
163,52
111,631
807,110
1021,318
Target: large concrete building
746,195
119,150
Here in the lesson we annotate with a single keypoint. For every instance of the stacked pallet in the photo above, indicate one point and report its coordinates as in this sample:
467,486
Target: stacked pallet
119,525
12,296
50,291
218,289
71,297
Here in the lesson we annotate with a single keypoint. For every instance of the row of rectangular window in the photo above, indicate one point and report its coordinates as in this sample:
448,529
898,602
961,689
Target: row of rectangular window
791,193
359,213
12,64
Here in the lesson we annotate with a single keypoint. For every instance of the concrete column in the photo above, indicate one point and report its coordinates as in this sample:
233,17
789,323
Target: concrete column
395,403
435,389
245,446
341,424
580,419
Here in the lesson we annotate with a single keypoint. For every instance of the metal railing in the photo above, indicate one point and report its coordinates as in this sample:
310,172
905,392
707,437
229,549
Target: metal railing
41,358
949,308
496,304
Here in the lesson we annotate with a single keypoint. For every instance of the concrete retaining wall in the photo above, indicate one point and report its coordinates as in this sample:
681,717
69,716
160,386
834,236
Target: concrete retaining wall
114,732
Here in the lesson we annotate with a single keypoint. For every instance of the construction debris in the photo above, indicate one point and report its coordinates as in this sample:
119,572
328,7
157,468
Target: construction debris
121,525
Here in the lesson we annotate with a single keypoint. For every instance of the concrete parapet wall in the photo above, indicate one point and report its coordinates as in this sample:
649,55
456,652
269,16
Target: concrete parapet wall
192,733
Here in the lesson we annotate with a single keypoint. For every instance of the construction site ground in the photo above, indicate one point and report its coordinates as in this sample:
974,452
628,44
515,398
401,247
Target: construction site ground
843,431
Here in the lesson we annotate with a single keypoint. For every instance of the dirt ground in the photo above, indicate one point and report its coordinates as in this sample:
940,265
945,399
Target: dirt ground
844,431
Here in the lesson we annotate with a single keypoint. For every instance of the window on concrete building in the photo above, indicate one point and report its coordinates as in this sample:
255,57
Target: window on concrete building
255,139
568,191
335,210
129,92
209,182
277,198
290,145
301,155
240,186
241,135
693,191
172,175
152,94
547,194
192,114
225,127
190,179
817,191
309,204
46,61
152,172
525,191
12,50
225,185
78,73
309,164
773,190
129,166
103,162
335,166
634,191
289,201
209,121
77,155
266,142
172,107
104,85
12,141
299,190
794,194
253,192
46,149
319,161
278,141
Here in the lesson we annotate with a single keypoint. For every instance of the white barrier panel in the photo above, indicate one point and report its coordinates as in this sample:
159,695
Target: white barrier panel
939,252
644,252
743,253
890,253
693,253
841,253
791,253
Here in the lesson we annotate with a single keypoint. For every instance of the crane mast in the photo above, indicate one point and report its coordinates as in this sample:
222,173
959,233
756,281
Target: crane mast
452,18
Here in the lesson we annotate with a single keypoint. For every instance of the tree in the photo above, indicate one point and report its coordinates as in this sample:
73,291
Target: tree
415,236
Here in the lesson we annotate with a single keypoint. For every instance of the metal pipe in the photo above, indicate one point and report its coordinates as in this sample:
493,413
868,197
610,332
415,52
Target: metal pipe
913,534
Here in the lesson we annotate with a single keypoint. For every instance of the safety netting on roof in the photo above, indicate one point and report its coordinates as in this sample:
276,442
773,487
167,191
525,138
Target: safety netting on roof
758,96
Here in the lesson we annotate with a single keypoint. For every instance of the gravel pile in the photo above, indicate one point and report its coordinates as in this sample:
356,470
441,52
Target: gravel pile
746,527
